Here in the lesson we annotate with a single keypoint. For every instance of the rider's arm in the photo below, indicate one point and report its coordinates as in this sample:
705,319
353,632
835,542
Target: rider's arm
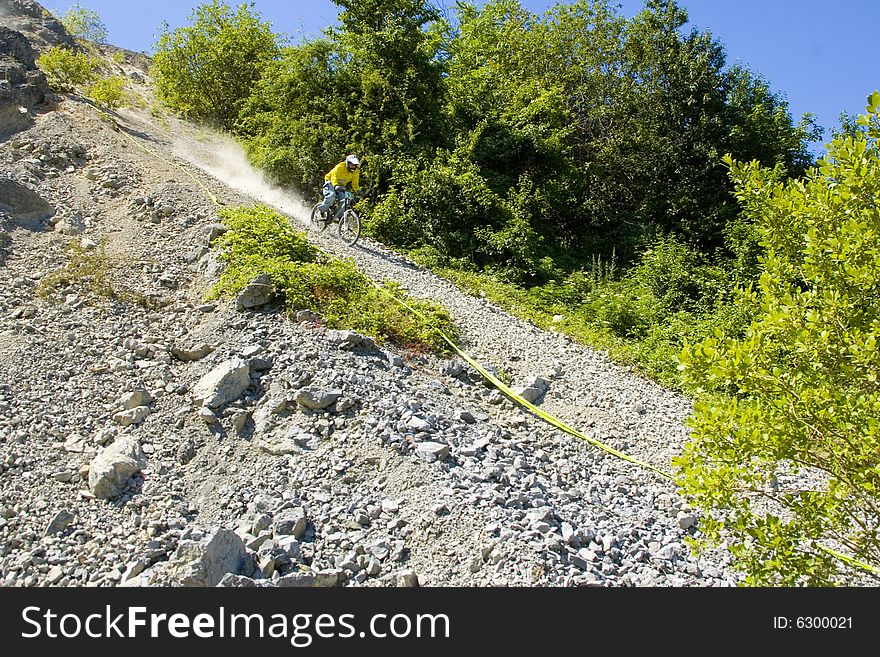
355,180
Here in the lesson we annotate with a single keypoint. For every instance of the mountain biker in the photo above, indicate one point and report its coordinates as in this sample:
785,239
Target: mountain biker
345,173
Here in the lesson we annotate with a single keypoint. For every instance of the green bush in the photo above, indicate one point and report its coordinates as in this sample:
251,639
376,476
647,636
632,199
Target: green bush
108,93
261,241
445,204
260,231
677,276
394,222
803,377
481,141
624,308
65,69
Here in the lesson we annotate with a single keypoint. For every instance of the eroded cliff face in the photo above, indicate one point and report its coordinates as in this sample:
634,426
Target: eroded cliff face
40,27
26,28
23,87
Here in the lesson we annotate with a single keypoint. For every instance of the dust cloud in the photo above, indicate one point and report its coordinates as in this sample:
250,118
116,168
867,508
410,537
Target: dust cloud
223,158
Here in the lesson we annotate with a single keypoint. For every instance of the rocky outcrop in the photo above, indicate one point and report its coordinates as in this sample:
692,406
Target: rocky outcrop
23,86
37,24
255,294
22,204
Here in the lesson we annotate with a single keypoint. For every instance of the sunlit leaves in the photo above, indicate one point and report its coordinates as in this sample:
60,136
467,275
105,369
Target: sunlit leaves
206,70
804,379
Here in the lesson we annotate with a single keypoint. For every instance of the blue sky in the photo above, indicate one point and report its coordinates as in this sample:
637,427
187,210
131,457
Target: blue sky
820,55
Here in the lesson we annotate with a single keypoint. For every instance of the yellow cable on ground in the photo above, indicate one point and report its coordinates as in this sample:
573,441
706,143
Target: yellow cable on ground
559,424
574,432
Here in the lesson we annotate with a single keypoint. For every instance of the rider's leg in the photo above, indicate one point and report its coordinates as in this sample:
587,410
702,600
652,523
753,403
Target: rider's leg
329,196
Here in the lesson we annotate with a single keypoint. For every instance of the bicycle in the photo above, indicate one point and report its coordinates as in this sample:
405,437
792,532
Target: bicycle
340,211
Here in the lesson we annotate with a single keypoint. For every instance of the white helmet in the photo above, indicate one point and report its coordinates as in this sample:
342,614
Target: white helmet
352,162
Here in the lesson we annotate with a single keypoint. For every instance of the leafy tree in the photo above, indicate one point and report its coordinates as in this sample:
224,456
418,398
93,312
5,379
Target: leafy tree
848,125
393,57
618,125
292,120
798,394
84,24
206,70
666,111
543,139
374,85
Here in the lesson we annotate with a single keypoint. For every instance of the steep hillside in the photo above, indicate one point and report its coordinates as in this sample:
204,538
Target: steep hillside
148,437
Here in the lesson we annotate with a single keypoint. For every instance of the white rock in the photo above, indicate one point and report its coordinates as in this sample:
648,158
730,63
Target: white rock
311,580
207,416
189,354
529,393
431,451
139,397
390,506
55,575
70,226
59,522
408,579
134,416
110,470
291,522
223,384
134,569
202,563
417,423
317,399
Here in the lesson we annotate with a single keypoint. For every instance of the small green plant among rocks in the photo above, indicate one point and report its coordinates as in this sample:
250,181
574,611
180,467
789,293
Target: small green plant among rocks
89,271
261,241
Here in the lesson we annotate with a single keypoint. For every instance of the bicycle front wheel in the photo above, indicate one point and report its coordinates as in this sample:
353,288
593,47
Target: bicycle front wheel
349,227
316,221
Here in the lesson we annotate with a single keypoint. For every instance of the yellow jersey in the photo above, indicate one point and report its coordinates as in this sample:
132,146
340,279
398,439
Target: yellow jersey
340,175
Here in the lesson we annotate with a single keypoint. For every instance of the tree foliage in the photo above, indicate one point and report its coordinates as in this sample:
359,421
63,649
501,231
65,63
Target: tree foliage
68,71
799,393
206,70
373,86
578,130
84,24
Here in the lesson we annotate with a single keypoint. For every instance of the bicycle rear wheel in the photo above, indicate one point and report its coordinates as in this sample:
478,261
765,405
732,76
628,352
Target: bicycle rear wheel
349,227
316,221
